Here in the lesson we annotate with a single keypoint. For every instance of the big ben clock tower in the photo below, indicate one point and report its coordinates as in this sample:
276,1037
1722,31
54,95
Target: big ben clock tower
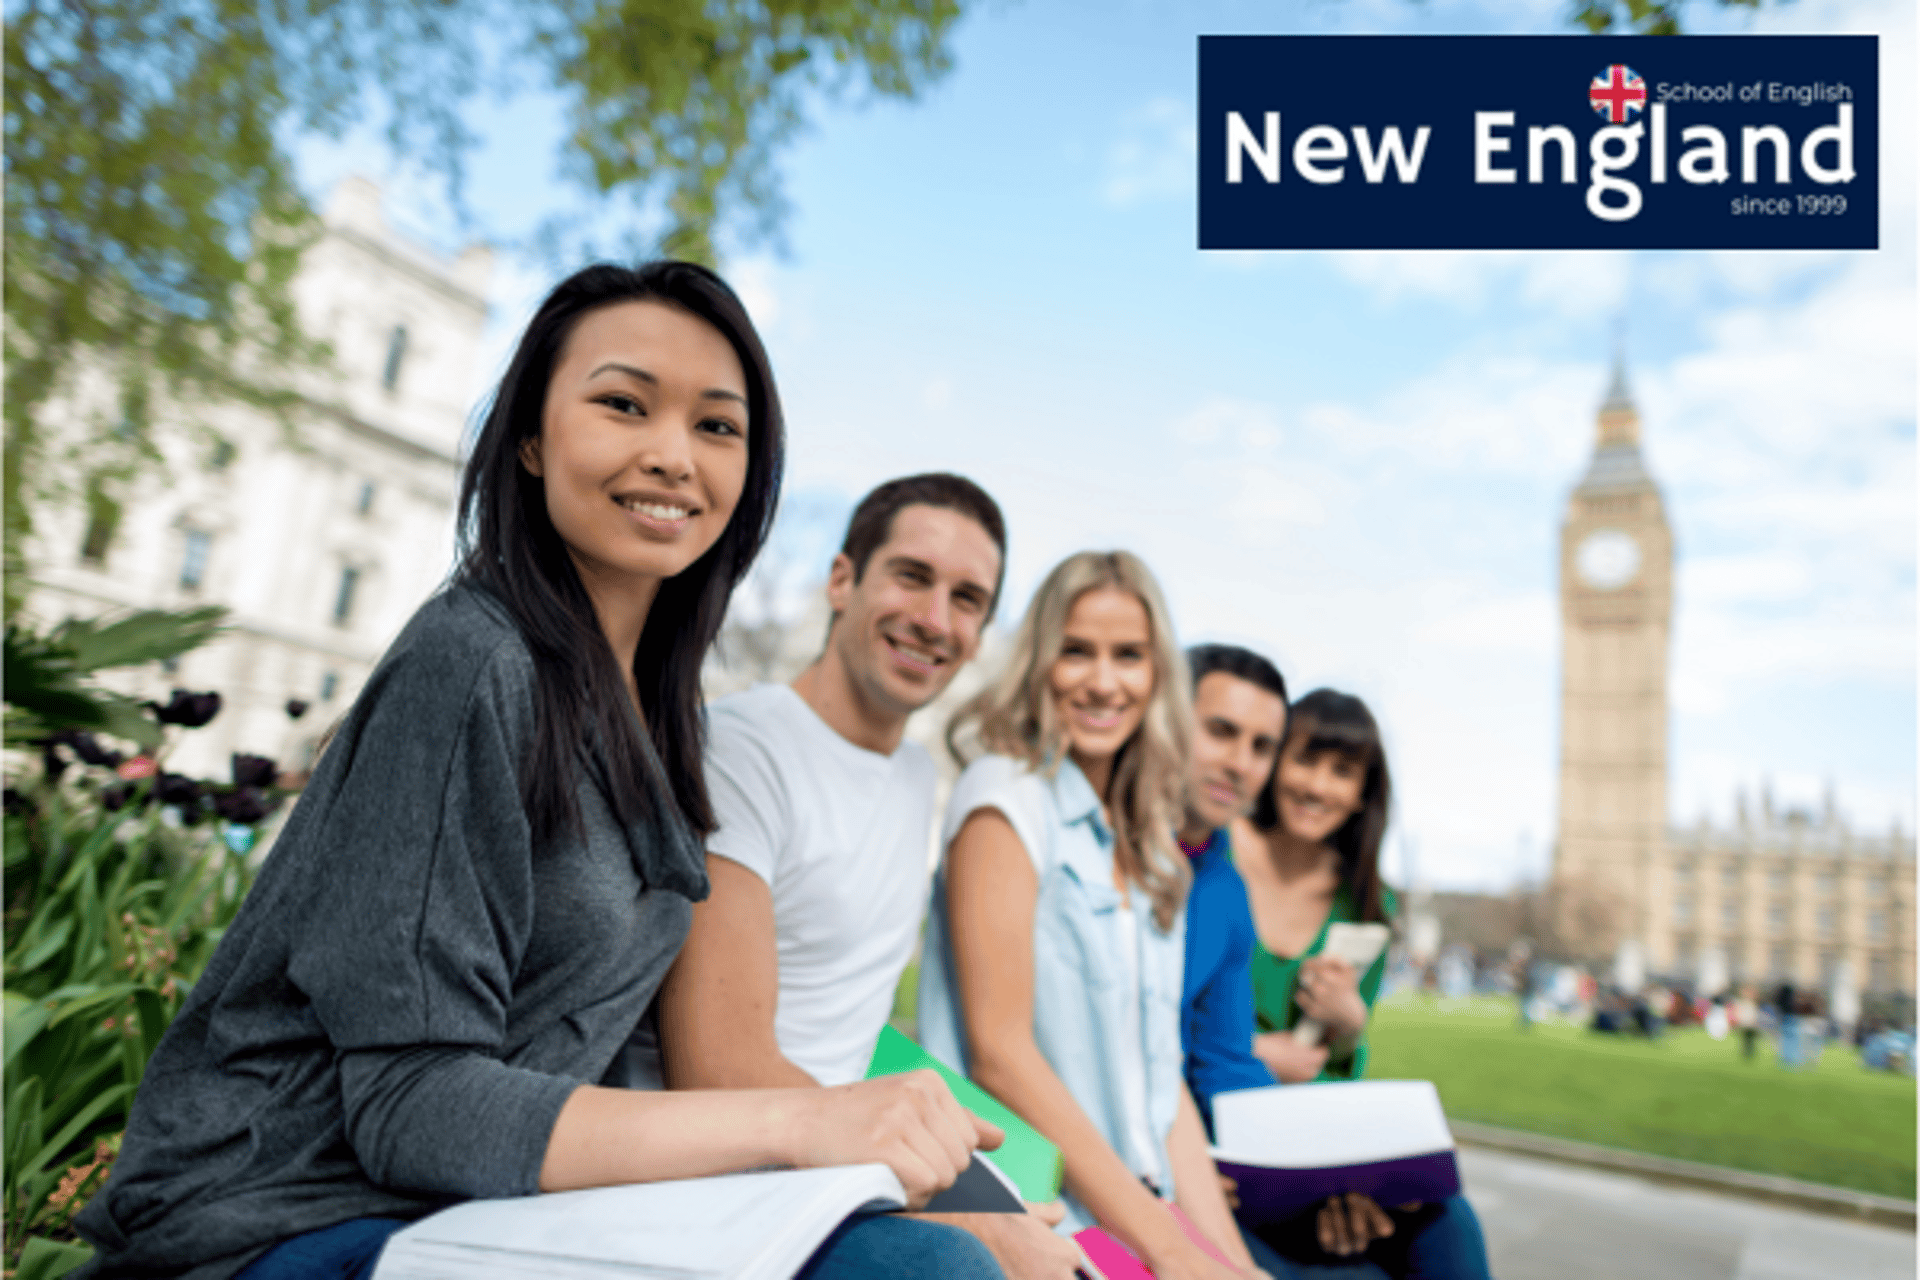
1616,602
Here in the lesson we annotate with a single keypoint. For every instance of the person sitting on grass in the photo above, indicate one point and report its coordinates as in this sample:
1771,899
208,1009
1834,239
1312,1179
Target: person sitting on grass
425,996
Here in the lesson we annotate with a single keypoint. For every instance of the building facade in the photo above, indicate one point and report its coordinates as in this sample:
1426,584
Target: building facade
1779,894
320,542
1788,894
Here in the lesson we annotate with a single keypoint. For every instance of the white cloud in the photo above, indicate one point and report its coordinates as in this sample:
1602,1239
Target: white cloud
1155,156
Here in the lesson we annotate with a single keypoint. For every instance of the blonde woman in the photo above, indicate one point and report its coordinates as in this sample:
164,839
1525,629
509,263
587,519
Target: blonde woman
1056,938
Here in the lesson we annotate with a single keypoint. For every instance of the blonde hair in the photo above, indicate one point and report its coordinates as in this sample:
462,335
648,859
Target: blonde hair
1015,716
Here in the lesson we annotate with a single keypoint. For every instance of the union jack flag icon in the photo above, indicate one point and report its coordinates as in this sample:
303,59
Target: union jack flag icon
1617,93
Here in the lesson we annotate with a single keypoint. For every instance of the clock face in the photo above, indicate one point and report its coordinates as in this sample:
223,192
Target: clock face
1607,559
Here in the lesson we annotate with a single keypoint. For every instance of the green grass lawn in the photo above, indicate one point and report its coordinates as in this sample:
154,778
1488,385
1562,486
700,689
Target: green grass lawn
1684,1095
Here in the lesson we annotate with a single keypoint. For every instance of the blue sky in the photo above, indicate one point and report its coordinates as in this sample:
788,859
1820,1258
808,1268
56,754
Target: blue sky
1356,462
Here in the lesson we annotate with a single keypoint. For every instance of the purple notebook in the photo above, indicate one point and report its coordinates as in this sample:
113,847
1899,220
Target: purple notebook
1291,1146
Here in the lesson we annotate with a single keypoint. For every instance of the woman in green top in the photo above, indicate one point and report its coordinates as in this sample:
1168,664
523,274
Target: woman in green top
1310,858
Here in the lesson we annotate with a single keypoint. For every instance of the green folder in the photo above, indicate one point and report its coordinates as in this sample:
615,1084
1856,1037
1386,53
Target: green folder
1029,1159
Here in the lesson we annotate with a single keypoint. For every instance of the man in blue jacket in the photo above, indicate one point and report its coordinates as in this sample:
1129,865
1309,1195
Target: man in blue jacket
1240,719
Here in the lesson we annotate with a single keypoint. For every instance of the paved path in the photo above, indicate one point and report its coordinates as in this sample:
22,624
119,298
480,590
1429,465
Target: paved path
1548,1221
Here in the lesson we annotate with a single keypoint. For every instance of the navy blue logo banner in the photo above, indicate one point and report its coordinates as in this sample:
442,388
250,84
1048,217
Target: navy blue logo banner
1539,142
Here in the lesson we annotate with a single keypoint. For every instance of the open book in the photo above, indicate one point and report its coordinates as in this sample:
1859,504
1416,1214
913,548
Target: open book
743,1226
1290,1146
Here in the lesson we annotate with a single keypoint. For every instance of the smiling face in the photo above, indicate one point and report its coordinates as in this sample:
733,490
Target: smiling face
1316,793
642,448
1237,730
1103,678
914,617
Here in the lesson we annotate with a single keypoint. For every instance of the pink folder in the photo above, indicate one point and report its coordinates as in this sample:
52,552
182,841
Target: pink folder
1117,1262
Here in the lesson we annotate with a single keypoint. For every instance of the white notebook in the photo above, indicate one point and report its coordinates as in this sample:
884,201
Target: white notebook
1359,945
743,1226
1290,1146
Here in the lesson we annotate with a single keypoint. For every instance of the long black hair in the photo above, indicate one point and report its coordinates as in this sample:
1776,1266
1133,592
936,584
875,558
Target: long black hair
509,547
1325,720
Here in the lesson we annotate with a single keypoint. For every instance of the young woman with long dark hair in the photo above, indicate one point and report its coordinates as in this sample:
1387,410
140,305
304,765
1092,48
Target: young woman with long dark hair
425,996
1310,857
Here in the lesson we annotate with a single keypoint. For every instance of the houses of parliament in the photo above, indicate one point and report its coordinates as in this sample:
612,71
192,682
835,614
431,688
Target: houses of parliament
1780,894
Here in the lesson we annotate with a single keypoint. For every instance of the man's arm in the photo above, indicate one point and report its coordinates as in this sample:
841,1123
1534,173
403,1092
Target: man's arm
718,1003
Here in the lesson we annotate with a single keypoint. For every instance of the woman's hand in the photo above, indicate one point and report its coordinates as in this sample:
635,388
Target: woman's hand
1328,991
1349,1223
1185,1260
910,1123
1290,1061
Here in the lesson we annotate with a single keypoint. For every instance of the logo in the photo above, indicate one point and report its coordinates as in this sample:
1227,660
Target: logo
1617,93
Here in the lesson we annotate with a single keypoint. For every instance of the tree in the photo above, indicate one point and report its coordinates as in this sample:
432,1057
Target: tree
1640,17
153,220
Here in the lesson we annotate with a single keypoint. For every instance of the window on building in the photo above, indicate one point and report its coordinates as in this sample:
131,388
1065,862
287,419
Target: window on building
103,521
1777,880
1879,973
193,562
1730,878
1730,915
1683,869
1875,887
1777,917
1824,921
1683,910
1686,950
1777,961
329,685
343,598
1877,925
396,356
364,502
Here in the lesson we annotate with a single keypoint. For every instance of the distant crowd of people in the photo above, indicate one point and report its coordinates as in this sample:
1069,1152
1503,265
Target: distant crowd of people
541,920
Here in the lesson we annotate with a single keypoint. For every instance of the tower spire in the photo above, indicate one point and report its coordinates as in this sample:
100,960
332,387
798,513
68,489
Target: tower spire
1619,419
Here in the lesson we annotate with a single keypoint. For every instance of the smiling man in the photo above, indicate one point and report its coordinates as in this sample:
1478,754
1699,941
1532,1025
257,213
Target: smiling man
1240,719
820,864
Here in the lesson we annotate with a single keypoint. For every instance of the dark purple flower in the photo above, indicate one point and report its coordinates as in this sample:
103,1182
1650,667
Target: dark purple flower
296,707
52,759
253,771
174,788
244,805
88,748
188,710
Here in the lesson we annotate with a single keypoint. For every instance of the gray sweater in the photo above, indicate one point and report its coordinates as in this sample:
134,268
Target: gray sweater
411,991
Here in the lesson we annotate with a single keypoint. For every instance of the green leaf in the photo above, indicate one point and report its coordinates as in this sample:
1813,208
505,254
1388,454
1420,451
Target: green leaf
45,1259
95,1107
151,635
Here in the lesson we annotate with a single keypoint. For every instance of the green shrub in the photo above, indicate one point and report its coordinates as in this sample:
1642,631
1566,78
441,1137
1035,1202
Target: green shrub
120,879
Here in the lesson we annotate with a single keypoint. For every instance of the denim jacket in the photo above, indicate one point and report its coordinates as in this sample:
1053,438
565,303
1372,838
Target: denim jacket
1079,983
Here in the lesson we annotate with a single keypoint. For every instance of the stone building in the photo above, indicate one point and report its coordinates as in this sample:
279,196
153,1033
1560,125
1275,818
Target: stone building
322,545
1788,894
1616,608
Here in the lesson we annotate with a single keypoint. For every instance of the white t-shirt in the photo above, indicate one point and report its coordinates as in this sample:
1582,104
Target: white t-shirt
839,833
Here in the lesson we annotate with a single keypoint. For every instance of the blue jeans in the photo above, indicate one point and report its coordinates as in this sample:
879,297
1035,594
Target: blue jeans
1434,1242
344,1251
865,1247
880,1246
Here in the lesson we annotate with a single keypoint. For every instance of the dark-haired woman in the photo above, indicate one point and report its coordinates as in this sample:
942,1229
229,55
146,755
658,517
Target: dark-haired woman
1311,859
424,997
